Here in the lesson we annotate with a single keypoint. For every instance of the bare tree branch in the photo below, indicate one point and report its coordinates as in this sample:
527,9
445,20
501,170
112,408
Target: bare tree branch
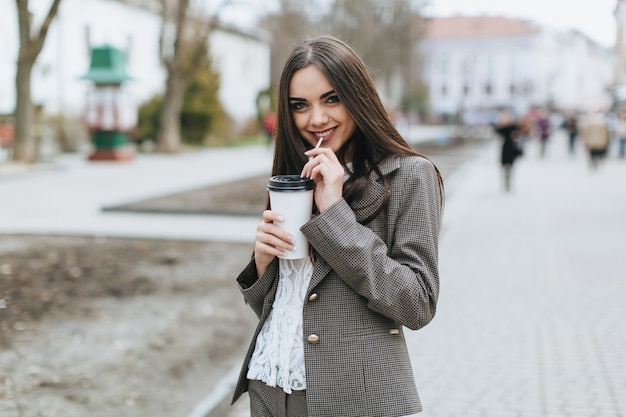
25,146
43,31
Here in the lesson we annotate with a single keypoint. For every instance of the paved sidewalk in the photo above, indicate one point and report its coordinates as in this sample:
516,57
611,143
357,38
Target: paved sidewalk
68,197
532,314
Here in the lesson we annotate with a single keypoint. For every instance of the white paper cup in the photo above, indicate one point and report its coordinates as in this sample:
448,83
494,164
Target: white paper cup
292,196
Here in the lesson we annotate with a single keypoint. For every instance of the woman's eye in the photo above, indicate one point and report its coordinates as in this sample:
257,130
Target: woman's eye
333,99
298,105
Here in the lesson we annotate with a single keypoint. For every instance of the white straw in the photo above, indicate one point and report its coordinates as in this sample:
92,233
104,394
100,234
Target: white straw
319,142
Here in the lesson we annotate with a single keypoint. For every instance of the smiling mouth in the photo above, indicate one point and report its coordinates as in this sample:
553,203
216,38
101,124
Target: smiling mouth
326,134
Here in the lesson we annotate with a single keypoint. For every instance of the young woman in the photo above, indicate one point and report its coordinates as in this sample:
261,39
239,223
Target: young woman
330,336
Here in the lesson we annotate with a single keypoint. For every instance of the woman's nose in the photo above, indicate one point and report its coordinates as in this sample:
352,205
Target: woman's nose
318,116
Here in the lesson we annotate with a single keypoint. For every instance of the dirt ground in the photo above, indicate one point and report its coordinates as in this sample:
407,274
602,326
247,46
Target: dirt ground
104,327
116,327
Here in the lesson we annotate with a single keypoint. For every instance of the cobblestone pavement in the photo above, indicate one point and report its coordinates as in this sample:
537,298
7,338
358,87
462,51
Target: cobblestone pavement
531,318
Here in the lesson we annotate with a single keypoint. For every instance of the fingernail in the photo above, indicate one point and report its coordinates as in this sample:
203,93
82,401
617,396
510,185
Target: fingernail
293,248
281,218
291,238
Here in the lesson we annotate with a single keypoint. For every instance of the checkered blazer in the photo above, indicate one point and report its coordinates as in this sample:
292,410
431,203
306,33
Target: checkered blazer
369,281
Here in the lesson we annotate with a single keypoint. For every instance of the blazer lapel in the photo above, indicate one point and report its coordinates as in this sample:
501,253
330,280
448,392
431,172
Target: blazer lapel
320,270
363,208
367,205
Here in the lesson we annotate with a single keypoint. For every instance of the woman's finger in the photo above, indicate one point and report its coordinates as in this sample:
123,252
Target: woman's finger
271,234
262,247
322,151
330,161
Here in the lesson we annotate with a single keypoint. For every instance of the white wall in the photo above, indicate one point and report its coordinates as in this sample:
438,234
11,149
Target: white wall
242,61
244,67
8,54
563,67
65,58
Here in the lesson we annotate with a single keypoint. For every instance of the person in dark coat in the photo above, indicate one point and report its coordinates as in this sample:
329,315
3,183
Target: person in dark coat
509,132
571,126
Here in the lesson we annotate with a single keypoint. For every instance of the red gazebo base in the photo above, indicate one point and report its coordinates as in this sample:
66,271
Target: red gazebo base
121,154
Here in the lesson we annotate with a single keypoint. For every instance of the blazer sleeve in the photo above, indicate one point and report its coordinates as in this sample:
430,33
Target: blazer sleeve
400,281
254,290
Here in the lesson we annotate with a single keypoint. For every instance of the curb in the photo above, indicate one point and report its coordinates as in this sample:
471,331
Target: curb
217,403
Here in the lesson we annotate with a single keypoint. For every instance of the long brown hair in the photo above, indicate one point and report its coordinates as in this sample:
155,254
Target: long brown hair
375,137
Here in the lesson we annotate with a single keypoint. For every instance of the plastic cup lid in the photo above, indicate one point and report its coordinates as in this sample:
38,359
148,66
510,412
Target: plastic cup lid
290,183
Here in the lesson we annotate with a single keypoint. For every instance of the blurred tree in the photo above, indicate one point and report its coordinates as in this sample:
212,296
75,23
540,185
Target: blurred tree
148,119
183,42
288,25
386,34
31,43
201,116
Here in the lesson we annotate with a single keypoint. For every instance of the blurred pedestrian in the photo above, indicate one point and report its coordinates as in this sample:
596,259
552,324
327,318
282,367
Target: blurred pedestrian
269,126
526,124
330,339
545,129
596,136
509,132
571,127
620,131
611,120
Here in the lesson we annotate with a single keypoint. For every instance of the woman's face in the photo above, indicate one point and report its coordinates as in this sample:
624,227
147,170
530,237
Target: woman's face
317,111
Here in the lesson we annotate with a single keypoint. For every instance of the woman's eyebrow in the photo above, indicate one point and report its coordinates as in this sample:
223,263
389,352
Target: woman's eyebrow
323,96
327,94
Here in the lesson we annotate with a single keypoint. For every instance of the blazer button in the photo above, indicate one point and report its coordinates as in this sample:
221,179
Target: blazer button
394,331
313,338
313,297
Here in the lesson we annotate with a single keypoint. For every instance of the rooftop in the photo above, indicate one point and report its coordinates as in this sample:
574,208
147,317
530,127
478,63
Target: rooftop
477,26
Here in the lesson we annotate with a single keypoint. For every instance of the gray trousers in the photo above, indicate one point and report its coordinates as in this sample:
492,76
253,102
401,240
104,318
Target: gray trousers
266,401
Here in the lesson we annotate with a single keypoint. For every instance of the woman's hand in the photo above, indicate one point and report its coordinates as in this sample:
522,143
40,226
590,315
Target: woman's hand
271,241
325,169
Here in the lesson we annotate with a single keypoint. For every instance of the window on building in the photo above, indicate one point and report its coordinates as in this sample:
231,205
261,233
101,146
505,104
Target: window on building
528,87
490,64
468,66
466,90
443,65
444,90
488,89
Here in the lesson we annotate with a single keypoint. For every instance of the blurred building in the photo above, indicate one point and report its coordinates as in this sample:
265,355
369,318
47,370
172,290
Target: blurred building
241,58
475,65
619,86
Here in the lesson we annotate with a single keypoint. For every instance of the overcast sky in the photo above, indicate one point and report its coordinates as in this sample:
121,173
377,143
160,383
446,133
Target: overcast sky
592,17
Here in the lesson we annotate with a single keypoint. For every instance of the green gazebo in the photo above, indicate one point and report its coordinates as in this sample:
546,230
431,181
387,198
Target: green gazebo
109,115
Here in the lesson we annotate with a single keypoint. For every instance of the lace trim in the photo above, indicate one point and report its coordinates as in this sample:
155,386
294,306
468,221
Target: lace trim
278,358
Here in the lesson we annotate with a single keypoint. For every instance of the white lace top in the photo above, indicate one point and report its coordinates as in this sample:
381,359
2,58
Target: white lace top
278,358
